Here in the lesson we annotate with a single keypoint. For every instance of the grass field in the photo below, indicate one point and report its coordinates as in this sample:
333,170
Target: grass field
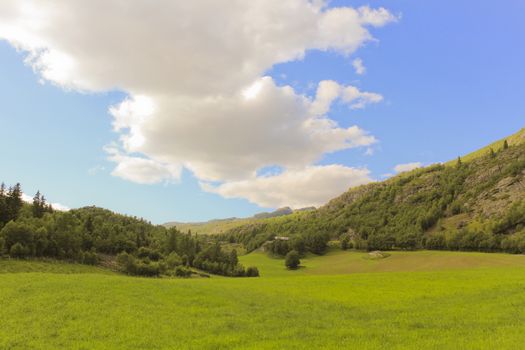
418,300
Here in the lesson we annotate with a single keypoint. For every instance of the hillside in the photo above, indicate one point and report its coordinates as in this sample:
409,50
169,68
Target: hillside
515,139
96,236
475,204
218,226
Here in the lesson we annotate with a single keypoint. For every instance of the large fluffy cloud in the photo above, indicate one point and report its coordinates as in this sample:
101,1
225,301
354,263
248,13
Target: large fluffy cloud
194,72
297,189
229,138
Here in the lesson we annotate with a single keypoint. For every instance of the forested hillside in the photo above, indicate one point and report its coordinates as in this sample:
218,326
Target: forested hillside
475,203
89,235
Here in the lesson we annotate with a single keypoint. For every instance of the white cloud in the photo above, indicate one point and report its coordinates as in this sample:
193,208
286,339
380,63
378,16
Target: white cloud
328,91
359,67
57,206
197,95
142,170
401,168
96,170
369,151
314,185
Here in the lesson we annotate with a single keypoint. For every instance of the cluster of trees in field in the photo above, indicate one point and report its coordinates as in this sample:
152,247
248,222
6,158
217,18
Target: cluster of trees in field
175,253
86,235
408,212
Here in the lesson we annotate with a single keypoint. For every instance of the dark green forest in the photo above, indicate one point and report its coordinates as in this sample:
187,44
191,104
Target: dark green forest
96,236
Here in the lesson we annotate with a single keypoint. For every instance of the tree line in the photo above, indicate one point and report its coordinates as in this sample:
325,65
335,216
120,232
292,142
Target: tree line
89,235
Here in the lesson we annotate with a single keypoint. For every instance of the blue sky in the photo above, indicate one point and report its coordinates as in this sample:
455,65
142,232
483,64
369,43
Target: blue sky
450,73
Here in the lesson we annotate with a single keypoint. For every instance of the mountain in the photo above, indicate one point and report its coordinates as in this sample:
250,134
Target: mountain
474,203
218,226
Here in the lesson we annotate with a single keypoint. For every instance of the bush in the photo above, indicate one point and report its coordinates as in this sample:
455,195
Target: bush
149,253
18,251
380,242
514,243
345,243
292,260
181,271
126,263
148,270
89,258
252,271
173,260
436,241
408,241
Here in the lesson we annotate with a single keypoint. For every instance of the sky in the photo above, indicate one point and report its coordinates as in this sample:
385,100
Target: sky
188,111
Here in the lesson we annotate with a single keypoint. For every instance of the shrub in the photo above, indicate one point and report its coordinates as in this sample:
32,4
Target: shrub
407,241
345,243
148,270
89,258
380,242
152,254
126,263
252,271
181,271
173,260
18,251
436,241
292,260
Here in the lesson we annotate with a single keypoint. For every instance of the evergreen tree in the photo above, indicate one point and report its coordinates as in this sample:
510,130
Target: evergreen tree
505,145
3,206
38,205
233,258
14,202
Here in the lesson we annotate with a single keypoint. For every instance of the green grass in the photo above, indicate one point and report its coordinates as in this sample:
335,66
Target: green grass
337,262
47,266
431,300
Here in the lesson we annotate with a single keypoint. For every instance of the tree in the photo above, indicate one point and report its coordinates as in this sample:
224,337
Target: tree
345,242
173,260
292,260
18,251
4,216
14,202
459,162
505,145
39,205
233,258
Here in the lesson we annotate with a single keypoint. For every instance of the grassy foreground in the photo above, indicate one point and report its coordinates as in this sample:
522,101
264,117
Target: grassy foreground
320,307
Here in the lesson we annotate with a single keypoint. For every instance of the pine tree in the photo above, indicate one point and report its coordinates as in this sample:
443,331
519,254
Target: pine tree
505,145
459,162
492,154
38,205
14,202
3,206
233,258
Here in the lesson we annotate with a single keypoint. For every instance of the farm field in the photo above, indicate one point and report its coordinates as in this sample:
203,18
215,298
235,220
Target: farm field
430,300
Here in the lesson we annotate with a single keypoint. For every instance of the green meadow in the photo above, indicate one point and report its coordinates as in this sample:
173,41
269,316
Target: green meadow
415,300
